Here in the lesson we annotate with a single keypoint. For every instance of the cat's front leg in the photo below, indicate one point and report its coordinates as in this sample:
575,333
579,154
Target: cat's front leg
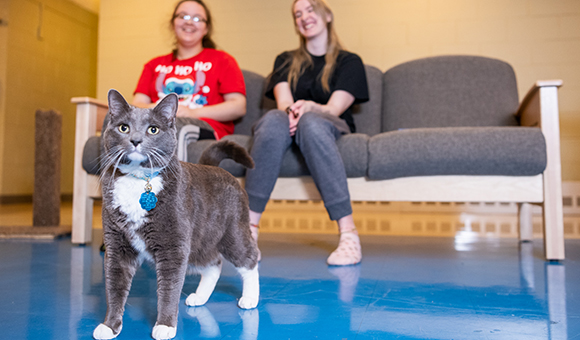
119,271
209,278
171,268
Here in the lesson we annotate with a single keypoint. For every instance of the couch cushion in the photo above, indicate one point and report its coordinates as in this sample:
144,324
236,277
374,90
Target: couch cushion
353,149
510,151
449,91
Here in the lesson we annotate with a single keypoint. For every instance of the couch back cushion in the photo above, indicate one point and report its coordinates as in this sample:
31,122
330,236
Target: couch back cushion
449,91
367,116
254,96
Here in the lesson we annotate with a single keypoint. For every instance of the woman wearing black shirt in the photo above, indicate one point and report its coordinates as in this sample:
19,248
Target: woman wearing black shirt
314,87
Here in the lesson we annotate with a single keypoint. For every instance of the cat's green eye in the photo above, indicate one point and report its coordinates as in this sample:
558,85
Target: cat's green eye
153,130
124,128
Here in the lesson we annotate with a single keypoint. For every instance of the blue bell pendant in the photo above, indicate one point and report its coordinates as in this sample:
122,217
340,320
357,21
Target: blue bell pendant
148,199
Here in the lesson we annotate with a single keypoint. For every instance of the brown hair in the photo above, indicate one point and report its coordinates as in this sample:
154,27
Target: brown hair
207,41
302,59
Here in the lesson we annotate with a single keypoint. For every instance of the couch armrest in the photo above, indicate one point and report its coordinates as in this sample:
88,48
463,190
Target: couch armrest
530,110
90,114
91,108
540,108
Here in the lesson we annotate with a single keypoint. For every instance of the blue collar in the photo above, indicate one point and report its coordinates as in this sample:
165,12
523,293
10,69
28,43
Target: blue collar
147,178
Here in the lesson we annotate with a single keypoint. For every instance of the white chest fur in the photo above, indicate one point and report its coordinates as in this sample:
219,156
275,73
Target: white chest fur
127,191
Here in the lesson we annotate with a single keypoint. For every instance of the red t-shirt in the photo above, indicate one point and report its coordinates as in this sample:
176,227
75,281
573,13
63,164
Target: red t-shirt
199,81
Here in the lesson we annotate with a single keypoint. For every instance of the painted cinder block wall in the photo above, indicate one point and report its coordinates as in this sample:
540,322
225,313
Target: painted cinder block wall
539,38
48,54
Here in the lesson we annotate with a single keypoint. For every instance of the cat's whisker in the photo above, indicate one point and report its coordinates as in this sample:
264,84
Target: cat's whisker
167,164
172,170
160,154
160,158
106,162
112,153
113,156
154,155
150,164
121,154
150,159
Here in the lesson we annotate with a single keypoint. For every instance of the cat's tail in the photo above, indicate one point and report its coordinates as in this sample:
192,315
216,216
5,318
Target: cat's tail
223,149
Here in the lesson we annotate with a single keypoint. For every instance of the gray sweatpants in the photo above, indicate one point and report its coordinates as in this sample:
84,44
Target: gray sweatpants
316,137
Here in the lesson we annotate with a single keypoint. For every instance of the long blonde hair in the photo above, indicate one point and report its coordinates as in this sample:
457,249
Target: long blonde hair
301,58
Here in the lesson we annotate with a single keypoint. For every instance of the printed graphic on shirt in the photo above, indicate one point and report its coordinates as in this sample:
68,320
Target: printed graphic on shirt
185,81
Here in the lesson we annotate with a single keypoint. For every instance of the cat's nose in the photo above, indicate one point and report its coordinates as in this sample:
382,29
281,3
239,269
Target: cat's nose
136,138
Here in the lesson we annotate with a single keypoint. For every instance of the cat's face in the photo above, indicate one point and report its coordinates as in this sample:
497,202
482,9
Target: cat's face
140,140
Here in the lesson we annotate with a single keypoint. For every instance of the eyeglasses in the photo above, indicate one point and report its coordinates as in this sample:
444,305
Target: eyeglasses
194,18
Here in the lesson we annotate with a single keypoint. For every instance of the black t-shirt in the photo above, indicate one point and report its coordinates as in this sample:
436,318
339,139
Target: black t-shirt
349,75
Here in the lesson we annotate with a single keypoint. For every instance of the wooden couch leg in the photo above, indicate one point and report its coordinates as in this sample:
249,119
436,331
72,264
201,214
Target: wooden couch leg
525,222
553,210
553,222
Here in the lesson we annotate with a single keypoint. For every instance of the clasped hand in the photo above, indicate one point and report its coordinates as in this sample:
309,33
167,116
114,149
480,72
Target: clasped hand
296,110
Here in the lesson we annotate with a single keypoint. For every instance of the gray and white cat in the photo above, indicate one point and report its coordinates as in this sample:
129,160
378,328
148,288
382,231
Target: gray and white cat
184,217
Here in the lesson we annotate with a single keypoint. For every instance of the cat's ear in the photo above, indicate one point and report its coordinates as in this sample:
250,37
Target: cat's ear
117,104
168,106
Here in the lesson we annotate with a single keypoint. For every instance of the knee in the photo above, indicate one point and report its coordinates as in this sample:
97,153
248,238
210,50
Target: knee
309,120
273,122
314,126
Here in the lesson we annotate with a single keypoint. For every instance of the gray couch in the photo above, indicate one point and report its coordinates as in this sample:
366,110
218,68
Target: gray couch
437,116
430,126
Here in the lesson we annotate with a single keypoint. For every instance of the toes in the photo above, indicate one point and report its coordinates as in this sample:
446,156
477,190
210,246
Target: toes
163,332
194,300
247,303
103,332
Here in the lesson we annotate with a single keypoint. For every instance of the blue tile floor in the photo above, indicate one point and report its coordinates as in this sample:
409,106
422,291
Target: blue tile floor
405,288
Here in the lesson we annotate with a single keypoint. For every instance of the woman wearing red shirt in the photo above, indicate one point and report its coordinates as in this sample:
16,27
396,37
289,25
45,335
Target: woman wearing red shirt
209,82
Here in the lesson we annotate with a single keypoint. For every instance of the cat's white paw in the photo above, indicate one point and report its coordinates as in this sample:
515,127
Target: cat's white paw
103,332
195,300
163,332
248,302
